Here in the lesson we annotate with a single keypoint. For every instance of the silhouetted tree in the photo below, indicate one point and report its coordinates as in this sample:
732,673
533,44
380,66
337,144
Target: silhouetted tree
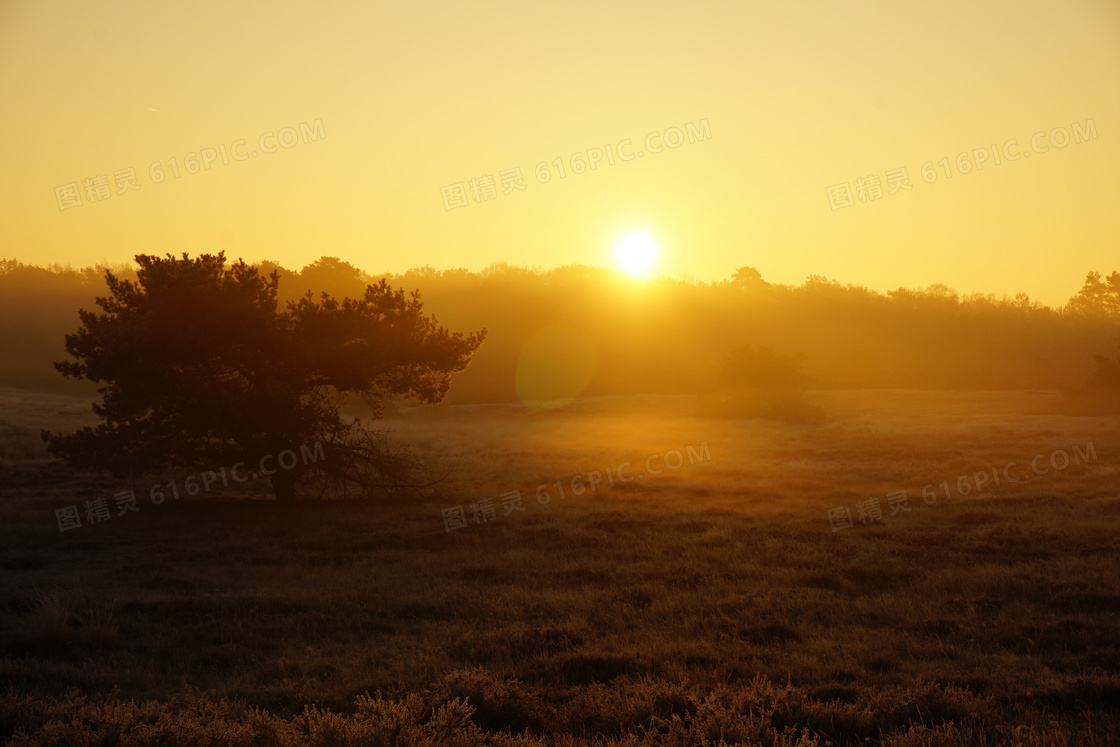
1098,296
749,278
1101,393
330,275
1106,374
760,368
197,364
756,381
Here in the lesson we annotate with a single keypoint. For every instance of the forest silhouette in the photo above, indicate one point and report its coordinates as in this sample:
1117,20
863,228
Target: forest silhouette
664,336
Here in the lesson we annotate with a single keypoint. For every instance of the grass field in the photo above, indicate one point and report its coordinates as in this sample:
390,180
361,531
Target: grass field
709,604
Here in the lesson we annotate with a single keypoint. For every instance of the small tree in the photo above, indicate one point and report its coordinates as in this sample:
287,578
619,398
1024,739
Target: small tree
197,364
756,381
1103,391
749,278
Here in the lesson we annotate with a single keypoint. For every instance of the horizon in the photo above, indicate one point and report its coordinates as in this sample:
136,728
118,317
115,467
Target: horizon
493,267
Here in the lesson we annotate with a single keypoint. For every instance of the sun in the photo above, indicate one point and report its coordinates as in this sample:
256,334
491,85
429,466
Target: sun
635,253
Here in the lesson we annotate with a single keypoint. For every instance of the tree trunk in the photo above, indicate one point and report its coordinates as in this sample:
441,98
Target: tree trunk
284,486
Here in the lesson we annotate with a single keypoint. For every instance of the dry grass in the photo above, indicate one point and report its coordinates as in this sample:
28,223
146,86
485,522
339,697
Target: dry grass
704,605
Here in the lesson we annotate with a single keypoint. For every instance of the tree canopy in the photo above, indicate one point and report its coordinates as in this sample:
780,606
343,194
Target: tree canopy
197,363
1098,296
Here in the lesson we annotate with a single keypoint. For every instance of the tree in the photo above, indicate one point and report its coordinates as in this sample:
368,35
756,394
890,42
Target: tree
749,278
759,368
1104,384
197,364
756,381
329,274
1098,296
1106,374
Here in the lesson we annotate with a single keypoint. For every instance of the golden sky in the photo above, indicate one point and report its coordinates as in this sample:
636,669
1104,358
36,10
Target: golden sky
400,100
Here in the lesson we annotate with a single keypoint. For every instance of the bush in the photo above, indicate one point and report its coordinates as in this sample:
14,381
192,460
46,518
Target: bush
758,382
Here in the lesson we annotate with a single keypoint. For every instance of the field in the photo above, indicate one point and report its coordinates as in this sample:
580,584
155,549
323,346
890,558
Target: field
714,603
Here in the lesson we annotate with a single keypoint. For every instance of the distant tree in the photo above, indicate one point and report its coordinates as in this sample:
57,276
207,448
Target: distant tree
1101,393
198,365
820,284
1098,296
1106,374
330,275
760,368
749,278
756,381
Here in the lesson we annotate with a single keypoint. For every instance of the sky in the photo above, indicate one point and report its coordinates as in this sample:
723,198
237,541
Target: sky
368,132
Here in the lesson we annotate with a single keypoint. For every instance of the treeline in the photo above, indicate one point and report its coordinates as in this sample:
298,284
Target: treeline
597,333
